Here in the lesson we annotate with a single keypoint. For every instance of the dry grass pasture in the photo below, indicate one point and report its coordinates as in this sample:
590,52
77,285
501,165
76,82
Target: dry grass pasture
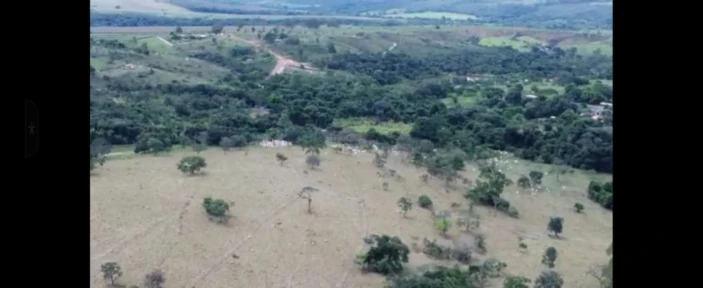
145,214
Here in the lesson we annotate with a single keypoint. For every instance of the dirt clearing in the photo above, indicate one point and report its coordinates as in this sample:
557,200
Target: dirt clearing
145,214
282,62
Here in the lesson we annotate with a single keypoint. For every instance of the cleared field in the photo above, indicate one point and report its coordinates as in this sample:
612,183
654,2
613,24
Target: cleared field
142,6
433,15
364,125
147,215
160,8
523,43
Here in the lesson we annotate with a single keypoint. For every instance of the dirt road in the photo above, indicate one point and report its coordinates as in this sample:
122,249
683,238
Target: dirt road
164,40
281,61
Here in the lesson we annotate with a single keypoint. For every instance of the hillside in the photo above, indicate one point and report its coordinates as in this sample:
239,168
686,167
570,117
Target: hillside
562,14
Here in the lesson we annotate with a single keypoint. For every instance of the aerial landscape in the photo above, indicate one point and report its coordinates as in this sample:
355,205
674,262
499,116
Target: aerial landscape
342,143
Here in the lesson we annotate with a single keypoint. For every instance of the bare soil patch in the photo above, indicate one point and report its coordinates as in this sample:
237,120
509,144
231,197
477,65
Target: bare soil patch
147,215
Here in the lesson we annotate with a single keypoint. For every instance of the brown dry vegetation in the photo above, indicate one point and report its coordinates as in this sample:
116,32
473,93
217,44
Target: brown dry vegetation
147,215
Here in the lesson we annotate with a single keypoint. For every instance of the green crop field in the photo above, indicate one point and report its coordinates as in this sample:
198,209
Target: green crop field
362,125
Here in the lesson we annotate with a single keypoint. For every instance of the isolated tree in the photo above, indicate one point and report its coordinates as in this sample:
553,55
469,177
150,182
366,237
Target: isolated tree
331,48
523,182
217,28
155,145
549,279
555,225
184,141
200,144
443,224
536,177
313,142
111,271
191,164
549,256
386,255
313,161
99,148
306,193
579,207
424,201
516,282
155,279
179,29
281,158
226,143
489,185
216,208
405,204
378,160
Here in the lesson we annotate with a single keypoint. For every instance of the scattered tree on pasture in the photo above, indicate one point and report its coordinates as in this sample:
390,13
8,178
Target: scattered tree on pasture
523,182
200,143
306,193
191,164
516,282
331,48
313,161
405,204
386,255
555,225
226,143
99,148
489,185
424,201
179,29
536,177
184,141
480,243
281,158
313,142
443,224
385,186
111,271
579,207
549,279
378,160
155,279
217,28
216,208
155,145
549,256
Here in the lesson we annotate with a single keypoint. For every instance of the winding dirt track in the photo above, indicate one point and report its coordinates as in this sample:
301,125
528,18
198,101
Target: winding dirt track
281,61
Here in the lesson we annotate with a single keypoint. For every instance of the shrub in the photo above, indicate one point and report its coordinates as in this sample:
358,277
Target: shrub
424,201
549,279
217,208
601,193
387,255
443,224
579,207
191,164
313,161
